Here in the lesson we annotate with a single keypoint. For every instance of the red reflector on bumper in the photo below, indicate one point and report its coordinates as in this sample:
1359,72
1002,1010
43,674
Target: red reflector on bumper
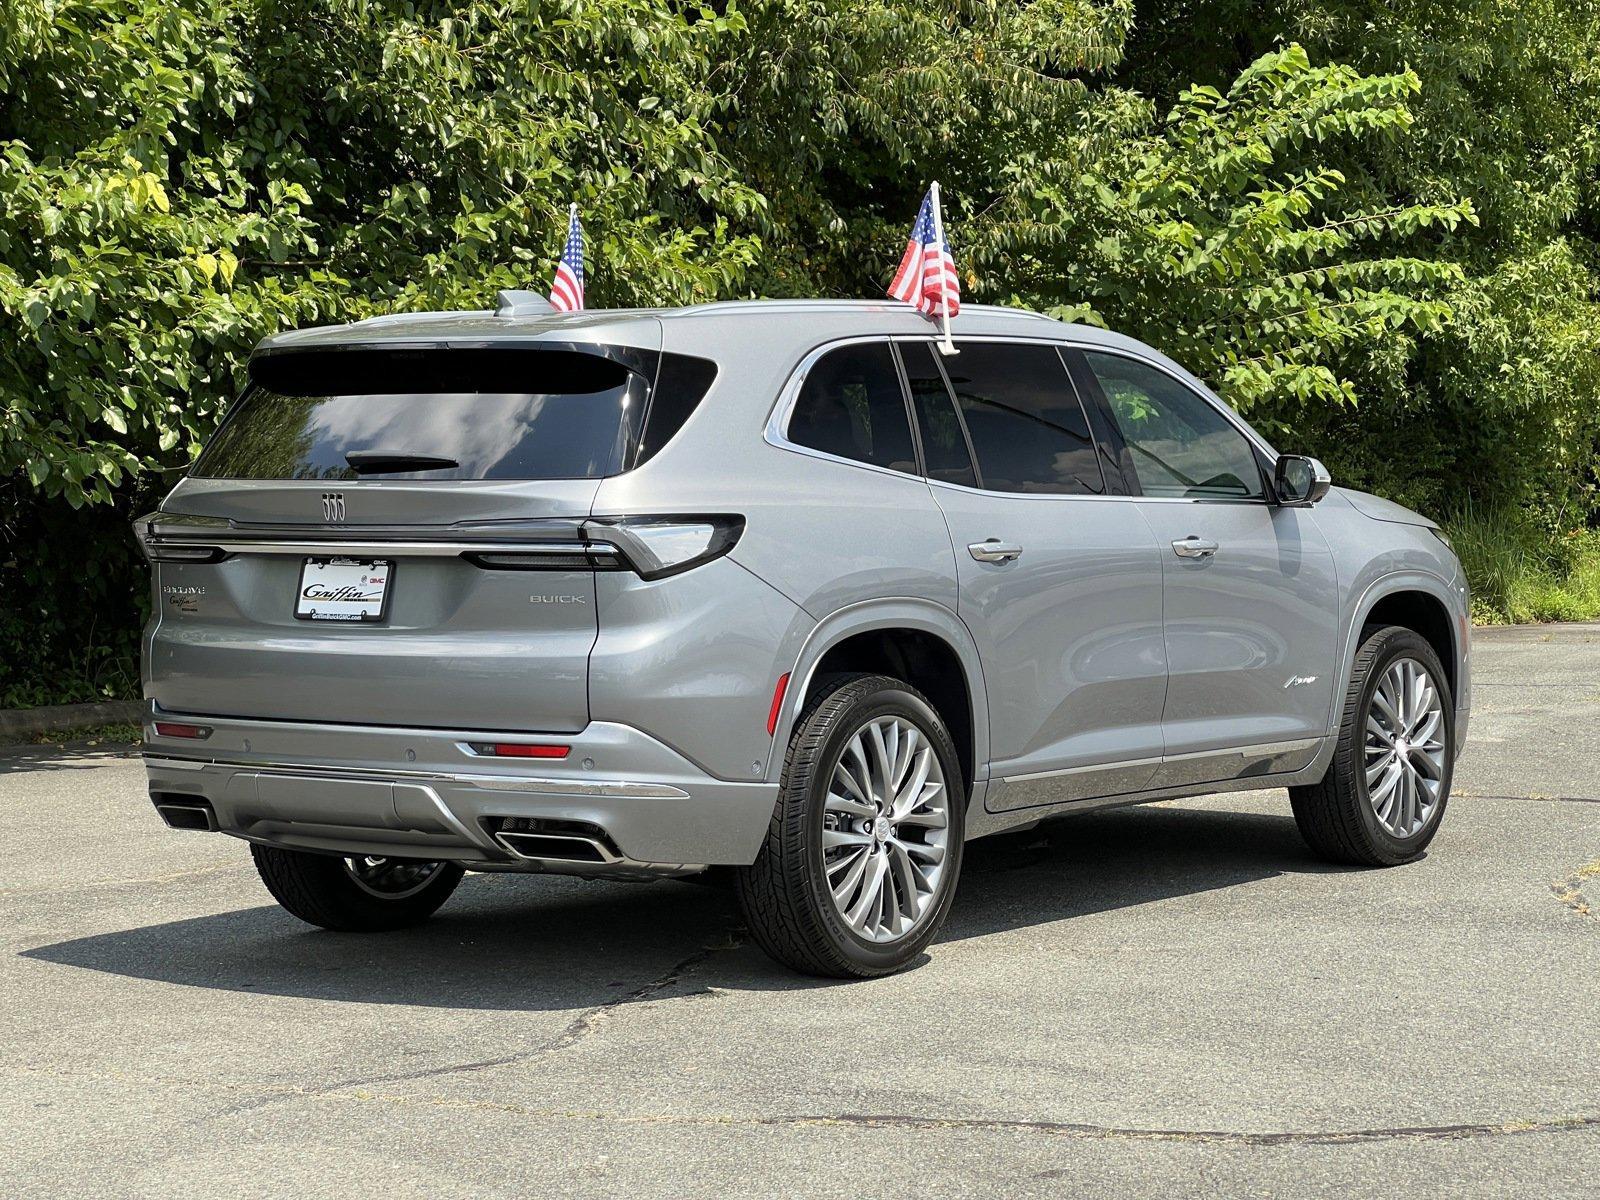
524,750
174,729
777,703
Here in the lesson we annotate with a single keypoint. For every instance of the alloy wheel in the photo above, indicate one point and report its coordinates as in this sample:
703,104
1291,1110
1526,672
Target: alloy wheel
391,878
1405,748
885,829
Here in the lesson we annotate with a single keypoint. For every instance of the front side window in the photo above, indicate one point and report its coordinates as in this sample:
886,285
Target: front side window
1027,425
1179,443
851,406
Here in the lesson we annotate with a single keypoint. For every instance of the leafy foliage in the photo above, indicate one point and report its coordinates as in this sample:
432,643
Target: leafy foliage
1363,221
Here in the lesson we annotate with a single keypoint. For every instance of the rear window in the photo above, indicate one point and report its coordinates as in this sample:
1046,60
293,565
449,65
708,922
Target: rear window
452,414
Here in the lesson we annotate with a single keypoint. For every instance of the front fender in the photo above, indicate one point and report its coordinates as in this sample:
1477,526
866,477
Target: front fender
1452,595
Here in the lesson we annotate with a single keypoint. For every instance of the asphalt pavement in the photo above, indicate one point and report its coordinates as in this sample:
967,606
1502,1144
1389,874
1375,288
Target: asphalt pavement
1173,1000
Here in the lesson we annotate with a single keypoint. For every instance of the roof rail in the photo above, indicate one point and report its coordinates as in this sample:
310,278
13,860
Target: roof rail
512,303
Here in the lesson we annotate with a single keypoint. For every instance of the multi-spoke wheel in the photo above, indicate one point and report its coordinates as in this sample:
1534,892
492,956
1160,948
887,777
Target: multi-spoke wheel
1405,753
357,894
861,861
392,878
885,829
1385,792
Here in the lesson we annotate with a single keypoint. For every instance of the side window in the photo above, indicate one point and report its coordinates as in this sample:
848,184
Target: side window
1180,445
681,383
1028,428
851,405
944,446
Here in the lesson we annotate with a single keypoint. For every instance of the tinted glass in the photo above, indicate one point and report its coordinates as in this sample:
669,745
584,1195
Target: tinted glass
1179,444
681,384
944,446
494,414
851,405
1027,426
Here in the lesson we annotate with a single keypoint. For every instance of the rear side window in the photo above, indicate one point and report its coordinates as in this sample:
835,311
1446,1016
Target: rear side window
1027,425
851,406
681,383
944,446
447,414
1180,445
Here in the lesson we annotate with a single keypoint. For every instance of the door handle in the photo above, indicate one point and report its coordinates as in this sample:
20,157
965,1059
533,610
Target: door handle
994,550
1194,547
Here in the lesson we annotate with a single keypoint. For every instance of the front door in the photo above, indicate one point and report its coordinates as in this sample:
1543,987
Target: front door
1060,578
1250,595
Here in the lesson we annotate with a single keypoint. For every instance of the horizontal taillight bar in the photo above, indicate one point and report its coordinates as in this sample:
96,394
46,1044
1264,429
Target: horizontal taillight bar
519,749
180,539
178,729
594,557
653,547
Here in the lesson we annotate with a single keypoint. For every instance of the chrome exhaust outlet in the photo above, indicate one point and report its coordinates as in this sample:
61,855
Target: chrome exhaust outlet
557,847
580,848
188,814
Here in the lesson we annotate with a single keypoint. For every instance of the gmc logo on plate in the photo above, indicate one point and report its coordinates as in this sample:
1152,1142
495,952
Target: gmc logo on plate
333,506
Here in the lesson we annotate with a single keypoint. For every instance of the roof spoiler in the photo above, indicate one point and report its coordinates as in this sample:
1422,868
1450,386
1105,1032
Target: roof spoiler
509,303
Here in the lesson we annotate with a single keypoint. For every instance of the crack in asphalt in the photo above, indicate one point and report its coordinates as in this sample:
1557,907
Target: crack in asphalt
1535,798
1082,1131
584,1025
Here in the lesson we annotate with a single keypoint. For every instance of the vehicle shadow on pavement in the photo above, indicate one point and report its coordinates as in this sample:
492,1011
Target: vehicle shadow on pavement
532,943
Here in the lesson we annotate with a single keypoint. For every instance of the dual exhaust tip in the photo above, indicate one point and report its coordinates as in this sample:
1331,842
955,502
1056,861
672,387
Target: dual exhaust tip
525,837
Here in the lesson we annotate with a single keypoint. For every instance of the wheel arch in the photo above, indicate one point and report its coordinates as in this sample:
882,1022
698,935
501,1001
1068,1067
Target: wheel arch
917,640
1420,602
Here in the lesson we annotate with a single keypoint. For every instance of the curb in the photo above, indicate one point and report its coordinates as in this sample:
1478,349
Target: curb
19,723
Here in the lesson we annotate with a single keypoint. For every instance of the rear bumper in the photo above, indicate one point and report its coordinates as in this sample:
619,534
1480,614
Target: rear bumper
356,789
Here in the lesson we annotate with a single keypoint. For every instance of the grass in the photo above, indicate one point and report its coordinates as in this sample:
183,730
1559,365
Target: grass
1521,573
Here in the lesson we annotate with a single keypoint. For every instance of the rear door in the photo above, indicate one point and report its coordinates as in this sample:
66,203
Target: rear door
1250,595
444,486
1060,578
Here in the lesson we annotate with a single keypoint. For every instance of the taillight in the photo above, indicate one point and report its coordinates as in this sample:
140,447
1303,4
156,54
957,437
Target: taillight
656,547
519,749
650,547
177,538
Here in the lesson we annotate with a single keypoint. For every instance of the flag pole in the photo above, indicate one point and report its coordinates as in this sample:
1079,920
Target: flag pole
946,346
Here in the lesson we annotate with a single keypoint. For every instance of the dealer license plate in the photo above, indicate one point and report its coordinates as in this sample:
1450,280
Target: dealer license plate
344,589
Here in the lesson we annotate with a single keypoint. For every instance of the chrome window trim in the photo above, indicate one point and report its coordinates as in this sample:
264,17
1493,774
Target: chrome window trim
776,432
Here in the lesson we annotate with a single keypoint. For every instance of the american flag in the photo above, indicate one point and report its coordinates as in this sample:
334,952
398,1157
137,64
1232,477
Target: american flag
566,289
927,275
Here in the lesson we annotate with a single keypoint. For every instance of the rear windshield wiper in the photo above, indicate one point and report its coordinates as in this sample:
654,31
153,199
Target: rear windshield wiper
377,462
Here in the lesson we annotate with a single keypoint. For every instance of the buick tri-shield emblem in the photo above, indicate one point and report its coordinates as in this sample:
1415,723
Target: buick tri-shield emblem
333,506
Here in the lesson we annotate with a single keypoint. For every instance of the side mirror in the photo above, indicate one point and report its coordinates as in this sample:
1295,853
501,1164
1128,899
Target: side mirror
1300,480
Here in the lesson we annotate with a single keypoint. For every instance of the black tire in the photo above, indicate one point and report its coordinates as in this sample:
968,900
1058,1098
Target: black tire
784,894
320,890
1335,815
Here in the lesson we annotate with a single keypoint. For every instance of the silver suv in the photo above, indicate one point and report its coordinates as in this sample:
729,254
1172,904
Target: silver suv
775,587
